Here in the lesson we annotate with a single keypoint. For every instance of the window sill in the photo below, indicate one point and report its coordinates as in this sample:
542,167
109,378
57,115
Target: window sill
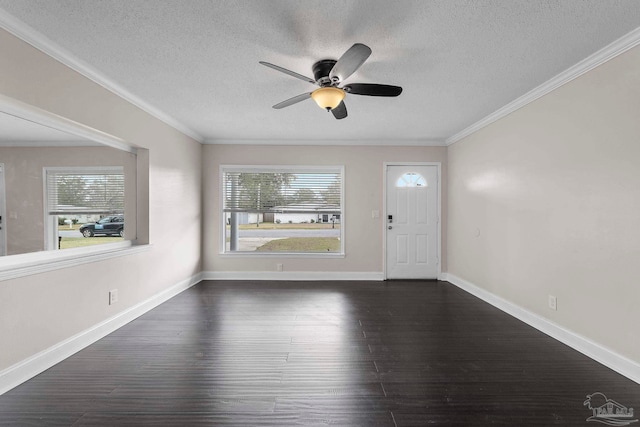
15,266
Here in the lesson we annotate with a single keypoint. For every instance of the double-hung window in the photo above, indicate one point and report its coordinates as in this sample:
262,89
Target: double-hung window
282,209
77,195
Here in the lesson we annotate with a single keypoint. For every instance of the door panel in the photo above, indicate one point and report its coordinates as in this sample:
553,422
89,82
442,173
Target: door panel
422,249
402,249
412,222
402,207
422,208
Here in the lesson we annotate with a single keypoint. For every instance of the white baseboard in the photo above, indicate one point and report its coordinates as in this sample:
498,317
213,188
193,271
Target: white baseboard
34,365
293,275
595,351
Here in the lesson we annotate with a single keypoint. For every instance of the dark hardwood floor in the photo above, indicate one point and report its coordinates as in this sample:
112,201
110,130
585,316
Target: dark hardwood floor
319,353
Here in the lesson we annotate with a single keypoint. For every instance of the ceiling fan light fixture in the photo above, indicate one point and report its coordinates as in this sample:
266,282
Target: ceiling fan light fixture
328,98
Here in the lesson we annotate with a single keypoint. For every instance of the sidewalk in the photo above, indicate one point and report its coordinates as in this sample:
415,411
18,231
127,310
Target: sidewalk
250,244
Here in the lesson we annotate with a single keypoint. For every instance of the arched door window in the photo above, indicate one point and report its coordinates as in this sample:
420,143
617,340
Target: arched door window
411,179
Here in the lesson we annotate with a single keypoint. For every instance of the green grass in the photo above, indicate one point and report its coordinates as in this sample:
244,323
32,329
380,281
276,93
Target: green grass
302,244
79,242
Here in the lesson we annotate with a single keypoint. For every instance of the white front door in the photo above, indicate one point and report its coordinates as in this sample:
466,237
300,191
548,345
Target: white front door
412,222
3,214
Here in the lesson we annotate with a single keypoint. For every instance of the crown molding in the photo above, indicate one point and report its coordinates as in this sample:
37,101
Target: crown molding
608,52
44,44
45,118
44,144
370,142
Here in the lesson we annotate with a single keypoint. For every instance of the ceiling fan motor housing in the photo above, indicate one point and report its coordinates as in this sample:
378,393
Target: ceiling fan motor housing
329,74
321,70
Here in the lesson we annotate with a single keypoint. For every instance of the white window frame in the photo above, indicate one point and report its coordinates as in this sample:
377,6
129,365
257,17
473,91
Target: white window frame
50,221
281,169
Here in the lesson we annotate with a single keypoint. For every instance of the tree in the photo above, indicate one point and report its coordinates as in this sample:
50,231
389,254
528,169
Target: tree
304,195
331,196
106,192
263,191
72,190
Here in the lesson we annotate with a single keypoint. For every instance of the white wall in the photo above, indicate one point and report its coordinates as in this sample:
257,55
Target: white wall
41,310
363,193
547,201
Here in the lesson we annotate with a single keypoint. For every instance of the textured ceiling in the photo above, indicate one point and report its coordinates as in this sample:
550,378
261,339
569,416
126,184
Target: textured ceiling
458,61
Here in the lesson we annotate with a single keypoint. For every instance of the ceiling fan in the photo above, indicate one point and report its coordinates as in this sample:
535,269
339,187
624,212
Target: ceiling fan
329,74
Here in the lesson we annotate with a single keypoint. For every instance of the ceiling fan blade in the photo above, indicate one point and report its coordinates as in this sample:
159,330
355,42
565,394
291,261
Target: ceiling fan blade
372,89
350,61
292,101
340,112
291,73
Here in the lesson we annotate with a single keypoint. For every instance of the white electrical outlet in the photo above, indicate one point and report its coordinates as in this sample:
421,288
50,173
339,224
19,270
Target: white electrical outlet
113,296
279,267
553,302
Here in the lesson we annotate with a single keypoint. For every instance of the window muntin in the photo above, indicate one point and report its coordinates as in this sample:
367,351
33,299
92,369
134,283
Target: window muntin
290,209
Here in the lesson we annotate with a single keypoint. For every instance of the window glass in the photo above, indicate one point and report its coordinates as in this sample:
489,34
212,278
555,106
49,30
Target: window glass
84,206
282,210
411,179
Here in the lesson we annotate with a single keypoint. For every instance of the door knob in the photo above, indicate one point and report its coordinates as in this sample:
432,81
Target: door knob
389,227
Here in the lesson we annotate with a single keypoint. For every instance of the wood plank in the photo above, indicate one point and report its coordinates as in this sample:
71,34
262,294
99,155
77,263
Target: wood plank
263,353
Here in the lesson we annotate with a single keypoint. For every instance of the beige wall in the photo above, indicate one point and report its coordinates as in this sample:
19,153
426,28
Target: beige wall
547,201
364,193
41,310
24,186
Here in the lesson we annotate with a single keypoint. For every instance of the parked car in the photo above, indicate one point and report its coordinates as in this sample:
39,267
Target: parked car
109,225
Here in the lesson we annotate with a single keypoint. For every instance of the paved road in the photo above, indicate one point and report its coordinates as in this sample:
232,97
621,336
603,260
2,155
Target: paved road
257,232
69,233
